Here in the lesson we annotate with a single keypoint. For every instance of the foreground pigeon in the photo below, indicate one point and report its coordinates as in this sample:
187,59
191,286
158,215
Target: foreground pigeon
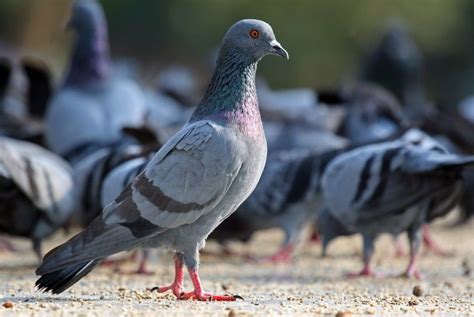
194,182
391,187
36,191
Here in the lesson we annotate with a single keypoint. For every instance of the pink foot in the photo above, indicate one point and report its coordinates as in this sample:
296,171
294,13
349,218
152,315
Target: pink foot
366,272
176,288
282,256
413,272
201,296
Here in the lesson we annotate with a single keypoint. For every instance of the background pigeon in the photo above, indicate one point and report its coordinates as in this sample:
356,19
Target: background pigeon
36,191
391,187
92,107
195,181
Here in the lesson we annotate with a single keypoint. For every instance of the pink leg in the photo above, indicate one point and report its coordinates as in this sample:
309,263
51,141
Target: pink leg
142,270
367,271
199,294
177,285
281,256
431,244
142,263
412,271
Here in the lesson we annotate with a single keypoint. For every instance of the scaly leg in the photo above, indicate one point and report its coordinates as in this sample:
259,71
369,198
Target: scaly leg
367,270
177,285
430,244
414,237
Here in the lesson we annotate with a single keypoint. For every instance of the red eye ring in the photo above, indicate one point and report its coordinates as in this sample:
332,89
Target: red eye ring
254,33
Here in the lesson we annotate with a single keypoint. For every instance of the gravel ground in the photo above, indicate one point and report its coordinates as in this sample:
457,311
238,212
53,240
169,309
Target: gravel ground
308,286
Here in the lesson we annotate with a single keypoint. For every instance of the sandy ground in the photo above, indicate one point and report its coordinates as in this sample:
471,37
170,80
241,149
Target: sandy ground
307,286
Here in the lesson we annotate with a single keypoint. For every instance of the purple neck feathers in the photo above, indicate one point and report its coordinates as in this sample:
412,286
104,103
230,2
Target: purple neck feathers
231,95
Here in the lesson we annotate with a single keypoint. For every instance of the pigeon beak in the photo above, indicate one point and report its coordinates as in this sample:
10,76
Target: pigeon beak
278,50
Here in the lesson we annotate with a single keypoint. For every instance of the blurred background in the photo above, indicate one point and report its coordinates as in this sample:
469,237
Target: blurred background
327,40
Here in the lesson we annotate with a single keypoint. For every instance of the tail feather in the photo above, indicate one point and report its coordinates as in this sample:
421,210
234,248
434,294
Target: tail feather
60,280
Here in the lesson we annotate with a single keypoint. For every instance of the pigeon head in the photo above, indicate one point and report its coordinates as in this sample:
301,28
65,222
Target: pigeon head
90,59
330,228
86,16
252,40
231,95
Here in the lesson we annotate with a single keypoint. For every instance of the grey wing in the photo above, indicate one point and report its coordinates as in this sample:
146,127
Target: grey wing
44,177
365,184
186,179
181,184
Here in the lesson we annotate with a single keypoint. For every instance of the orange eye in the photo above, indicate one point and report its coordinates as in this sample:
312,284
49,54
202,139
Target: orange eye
254,33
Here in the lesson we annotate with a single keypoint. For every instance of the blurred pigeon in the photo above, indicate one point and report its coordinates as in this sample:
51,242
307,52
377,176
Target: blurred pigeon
373,113
288,197
36,191
92,107
300,137
194,182
25,89
392,187
91,172
397,64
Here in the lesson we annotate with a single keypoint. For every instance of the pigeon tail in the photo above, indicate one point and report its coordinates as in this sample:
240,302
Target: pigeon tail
58,281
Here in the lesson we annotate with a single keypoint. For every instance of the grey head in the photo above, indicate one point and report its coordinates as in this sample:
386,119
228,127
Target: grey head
330,228
90,59
231,92
251,40
86,16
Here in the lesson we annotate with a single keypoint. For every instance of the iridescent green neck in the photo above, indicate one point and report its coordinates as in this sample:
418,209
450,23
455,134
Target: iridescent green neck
231,95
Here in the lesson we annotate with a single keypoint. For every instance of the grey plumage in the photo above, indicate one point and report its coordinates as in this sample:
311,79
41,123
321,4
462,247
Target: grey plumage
36,191
392,187
195,181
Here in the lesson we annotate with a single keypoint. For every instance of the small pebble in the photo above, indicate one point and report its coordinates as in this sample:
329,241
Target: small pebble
344,314
417,291
8,304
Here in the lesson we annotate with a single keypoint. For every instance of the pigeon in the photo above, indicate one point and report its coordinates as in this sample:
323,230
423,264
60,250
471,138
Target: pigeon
25,89
288,196
196,180
373,113
396,63
391,187
36,191
90,109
